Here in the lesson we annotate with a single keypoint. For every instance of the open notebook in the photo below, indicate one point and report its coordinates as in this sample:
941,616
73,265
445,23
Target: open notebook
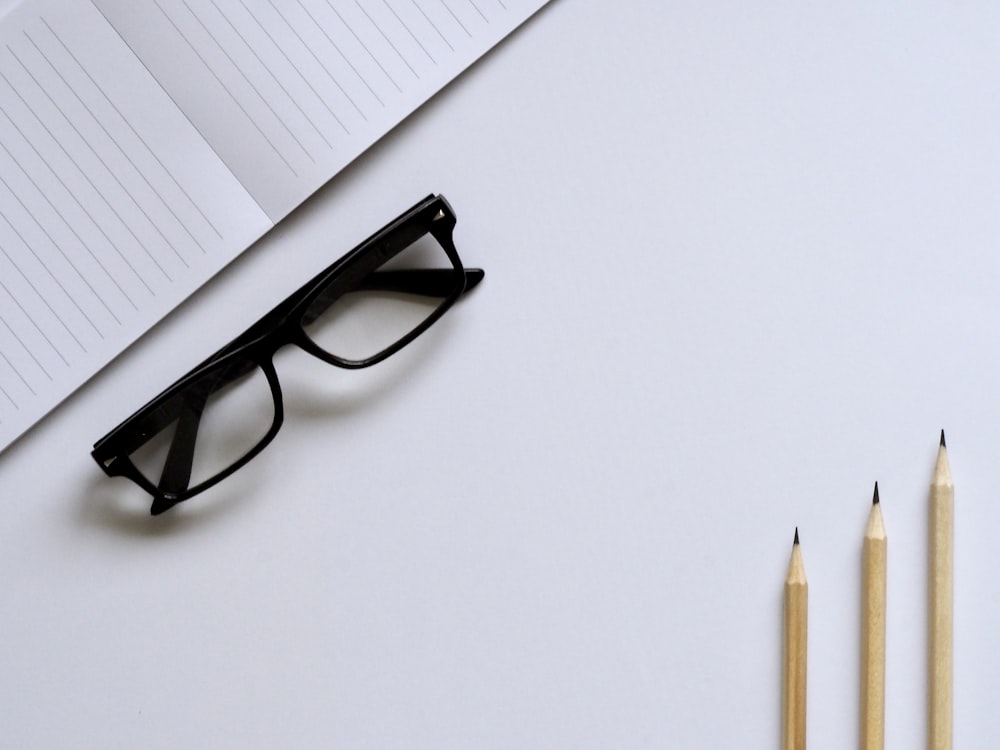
144,144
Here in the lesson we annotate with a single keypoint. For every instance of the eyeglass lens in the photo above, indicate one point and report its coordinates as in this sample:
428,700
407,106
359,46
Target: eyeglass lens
375,314
220,419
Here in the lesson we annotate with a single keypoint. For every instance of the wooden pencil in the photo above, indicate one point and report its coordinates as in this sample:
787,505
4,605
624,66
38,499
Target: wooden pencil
873,593
796,617
940,594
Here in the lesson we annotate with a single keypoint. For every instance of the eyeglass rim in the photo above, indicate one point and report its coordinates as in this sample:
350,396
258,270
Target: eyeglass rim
441,228
164,500
276,328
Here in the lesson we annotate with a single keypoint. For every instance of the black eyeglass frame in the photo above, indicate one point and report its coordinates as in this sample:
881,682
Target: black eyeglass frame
284,325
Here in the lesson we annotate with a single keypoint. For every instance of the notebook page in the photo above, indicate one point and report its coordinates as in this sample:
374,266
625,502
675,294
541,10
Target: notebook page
288,92
113,208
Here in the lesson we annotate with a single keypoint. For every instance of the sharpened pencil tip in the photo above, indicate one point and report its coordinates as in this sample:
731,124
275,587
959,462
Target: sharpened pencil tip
796,541
875,498
943,444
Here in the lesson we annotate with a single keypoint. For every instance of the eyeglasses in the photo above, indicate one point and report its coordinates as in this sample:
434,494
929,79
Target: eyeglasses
365,307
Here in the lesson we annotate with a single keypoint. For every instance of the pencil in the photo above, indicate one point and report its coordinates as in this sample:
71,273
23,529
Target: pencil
873,587
794,652
941,549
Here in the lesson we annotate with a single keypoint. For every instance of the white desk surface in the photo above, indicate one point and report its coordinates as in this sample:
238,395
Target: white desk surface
741,263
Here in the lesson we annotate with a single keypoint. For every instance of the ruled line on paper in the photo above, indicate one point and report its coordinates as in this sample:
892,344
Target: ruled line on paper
28,350
65,257
479,10
34,323
58,212
364,46
338,49
90,146
12,366
87,282
90,216
409,31
128,124
104,128
277,81
249,82
7,395
389,41
250,119
340,52
101,158
461,25
34,288
298,70
433,25
87,177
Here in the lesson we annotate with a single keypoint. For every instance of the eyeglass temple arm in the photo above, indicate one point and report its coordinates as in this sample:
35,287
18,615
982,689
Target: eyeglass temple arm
185,409
426,282
176,474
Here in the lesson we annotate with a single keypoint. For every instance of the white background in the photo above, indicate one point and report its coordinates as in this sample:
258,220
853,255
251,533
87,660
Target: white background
740,264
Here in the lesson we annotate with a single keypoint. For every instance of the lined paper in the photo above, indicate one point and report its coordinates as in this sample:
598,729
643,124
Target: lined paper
144,144
111,205
288,92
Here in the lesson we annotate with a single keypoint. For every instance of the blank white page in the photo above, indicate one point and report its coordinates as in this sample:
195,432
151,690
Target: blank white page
288,92
113,209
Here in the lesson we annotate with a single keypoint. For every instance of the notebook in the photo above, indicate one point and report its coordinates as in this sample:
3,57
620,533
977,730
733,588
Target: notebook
144,144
